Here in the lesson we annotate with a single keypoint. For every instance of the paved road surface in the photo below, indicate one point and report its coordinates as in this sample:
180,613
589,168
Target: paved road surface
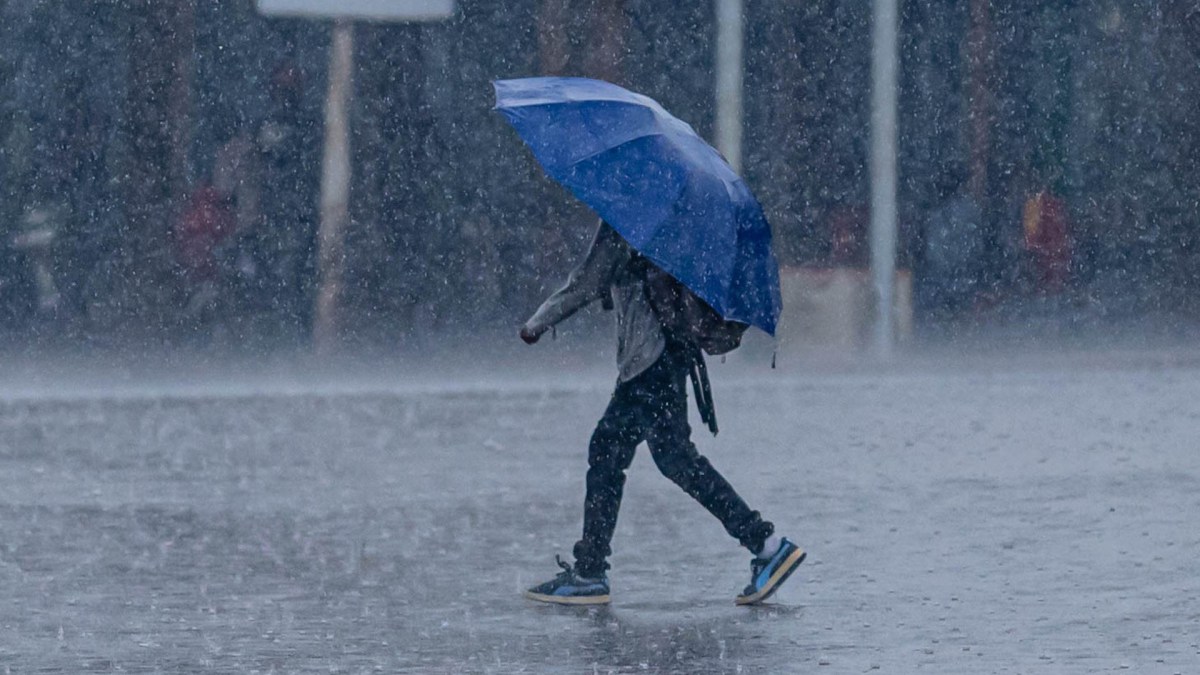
984,520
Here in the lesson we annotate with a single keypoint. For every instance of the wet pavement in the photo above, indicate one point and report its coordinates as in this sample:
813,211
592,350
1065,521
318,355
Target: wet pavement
980,520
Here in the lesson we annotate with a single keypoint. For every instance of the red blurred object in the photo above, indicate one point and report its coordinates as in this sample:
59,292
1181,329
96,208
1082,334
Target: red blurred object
1047,226
848,232
207,220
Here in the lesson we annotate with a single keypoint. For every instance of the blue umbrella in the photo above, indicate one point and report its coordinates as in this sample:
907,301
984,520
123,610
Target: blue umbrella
651,177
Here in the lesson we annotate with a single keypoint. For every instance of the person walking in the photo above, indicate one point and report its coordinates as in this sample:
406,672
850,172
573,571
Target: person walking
649,404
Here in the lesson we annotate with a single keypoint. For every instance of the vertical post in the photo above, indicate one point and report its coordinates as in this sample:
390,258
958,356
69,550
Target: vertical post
883,170
335,185
979,67
729,80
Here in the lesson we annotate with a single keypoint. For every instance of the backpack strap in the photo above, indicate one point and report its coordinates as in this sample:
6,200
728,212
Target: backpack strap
698,373
639,265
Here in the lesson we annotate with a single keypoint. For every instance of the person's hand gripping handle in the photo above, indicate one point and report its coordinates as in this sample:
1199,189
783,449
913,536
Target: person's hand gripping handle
529,336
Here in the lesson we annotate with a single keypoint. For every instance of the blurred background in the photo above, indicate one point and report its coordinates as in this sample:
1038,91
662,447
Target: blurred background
186,487
160,165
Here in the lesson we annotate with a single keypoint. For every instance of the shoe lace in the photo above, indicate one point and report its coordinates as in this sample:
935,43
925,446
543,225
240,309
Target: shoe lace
757,565
568,571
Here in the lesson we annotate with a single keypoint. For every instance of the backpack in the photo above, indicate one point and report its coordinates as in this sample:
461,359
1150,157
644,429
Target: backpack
684,316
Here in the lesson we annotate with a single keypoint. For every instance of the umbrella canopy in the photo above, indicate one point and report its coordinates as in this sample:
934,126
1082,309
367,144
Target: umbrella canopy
651,177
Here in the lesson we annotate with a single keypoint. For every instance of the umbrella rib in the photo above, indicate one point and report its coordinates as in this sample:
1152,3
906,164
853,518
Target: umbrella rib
617,146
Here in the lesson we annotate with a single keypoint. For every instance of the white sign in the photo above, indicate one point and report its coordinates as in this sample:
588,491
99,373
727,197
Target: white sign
369,10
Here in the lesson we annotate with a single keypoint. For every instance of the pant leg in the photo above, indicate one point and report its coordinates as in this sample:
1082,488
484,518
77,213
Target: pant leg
610,452
669,438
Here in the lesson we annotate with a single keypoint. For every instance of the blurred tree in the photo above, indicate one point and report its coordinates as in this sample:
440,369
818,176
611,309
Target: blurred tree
781,104
159,37
583,38
604,57
554,51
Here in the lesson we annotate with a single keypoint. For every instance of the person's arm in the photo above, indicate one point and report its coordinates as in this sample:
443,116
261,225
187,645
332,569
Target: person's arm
588,282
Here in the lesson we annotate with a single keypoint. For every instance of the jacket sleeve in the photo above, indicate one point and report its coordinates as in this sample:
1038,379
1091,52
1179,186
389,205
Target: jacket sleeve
587,283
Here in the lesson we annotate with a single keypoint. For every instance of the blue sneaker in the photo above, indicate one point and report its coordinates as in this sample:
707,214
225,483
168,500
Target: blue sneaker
766,575
570,589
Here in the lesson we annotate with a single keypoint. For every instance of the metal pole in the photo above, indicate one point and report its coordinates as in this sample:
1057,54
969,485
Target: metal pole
729,81
883,171
335,185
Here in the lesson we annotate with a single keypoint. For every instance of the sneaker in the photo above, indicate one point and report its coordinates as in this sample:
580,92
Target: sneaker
569,588
767,574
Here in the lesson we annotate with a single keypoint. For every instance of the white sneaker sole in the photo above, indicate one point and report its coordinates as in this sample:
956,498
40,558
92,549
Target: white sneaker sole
568,599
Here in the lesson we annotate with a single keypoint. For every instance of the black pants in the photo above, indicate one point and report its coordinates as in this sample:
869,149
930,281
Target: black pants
652,407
